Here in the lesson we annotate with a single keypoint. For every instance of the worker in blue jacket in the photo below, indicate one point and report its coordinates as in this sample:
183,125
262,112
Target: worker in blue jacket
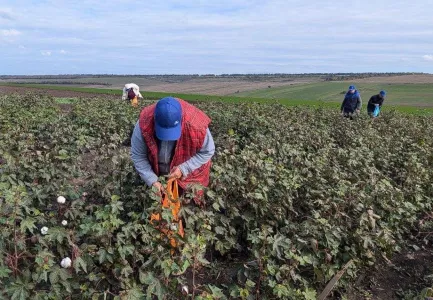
352,102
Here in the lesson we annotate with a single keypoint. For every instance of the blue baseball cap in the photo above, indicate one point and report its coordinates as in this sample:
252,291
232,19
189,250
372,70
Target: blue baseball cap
168,118
352,87
382,93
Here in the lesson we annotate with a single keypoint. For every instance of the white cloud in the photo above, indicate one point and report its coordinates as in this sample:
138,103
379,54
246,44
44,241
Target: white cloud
63,51
428,57
21,47
46,53
9,32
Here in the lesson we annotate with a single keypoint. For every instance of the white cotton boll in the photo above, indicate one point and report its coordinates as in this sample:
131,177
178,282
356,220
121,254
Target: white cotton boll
66,262
61,199
185,290
64,222
44,230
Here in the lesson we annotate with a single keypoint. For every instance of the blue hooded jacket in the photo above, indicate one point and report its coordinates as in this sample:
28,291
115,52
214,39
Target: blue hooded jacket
351,102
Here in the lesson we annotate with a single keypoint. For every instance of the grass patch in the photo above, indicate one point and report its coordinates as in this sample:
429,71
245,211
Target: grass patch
420,95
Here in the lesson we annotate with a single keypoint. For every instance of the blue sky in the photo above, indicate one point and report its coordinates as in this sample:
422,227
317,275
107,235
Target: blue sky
236,36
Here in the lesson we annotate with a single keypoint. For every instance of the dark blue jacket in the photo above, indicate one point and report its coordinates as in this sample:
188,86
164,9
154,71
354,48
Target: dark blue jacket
376,99
351,102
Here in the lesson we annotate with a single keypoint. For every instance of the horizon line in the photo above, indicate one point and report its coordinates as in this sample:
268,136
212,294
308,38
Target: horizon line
217,75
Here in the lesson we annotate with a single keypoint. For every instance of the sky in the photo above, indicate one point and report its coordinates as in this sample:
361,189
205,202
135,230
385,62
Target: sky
214,37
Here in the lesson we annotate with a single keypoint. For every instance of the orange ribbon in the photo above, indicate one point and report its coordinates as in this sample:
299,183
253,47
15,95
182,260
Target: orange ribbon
170,200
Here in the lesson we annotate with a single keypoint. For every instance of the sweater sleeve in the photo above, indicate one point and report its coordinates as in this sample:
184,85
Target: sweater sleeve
359,103
139,157
203,156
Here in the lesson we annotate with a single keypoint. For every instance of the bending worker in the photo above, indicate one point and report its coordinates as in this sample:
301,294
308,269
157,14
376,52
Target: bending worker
375,101
172,138
131,92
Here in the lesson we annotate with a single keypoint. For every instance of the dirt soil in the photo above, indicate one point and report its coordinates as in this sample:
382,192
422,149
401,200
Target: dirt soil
195,86
220,86
208,86
53,93
403,275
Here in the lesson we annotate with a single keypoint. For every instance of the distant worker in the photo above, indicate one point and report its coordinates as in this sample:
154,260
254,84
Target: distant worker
375,104
131,92
352,103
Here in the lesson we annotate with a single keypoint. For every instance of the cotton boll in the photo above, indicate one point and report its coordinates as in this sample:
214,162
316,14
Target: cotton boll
185,290
61,199
66,262
44,230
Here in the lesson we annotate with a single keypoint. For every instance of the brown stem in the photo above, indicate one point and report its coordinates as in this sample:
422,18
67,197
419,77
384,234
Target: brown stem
193,276
259,261
108,292
15,256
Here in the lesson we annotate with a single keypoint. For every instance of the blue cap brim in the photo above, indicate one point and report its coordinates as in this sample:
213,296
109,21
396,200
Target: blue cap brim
168,134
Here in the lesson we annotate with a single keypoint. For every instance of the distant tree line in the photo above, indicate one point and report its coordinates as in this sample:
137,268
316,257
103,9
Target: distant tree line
323,76
352,76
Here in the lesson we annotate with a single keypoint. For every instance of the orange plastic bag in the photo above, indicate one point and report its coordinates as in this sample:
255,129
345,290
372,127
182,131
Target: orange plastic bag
170,200
134,102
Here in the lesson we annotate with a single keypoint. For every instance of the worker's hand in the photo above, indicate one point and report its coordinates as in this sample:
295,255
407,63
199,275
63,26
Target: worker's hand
175,173
358,111
159,188
342,113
